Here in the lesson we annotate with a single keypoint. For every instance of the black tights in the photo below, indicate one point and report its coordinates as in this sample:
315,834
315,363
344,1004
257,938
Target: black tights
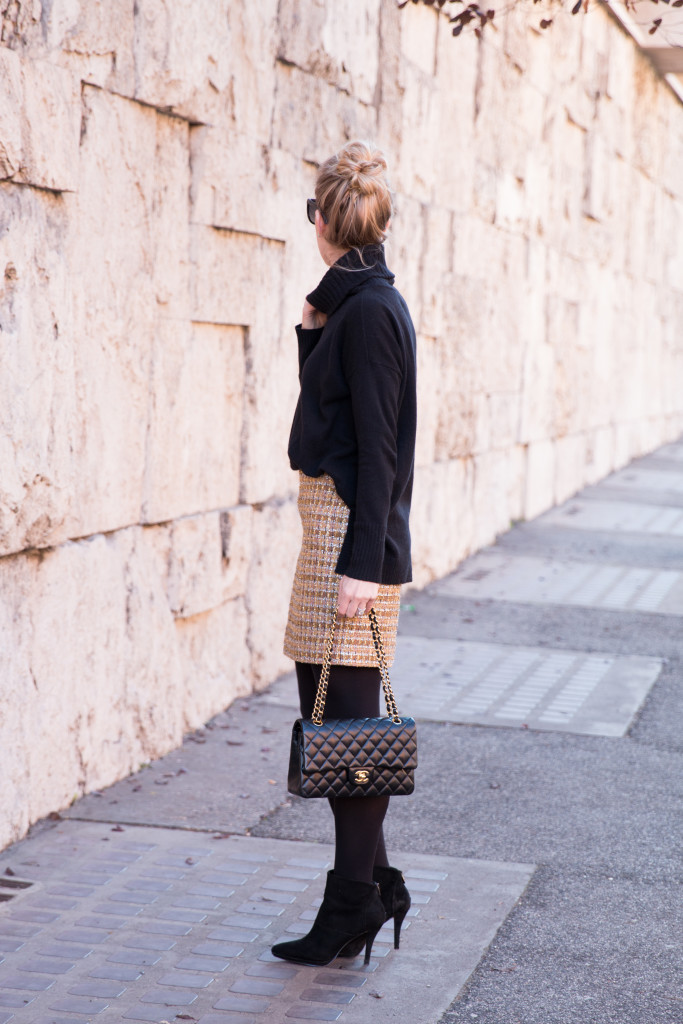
351,693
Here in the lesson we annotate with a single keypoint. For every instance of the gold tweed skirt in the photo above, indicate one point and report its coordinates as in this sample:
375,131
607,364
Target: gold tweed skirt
313,602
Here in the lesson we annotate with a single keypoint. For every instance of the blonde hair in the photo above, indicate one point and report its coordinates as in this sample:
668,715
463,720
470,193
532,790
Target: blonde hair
353,194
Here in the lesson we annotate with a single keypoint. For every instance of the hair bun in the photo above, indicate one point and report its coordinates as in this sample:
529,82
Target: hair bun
362,167
354,195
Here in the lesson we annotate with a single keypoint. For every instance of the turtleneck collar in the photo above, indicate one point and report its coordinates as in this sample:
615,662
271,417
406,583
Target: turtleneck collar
349,273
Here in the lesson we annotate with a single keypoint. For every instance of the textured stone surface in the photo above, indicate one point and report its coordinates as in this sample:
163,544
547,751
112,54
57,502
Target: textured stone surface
154,257
39,123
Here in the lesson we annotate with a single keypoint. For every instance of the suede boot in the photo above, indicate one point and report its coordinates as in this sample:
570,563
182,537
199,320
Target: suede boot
396,901
350,912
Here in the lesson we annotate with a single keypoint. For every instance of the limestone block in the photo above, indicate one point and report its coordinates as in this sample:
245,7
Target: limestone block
406,240
15,735
418,37
504,409
338,116
389,79
497,493
428,383
455,155
442,518
169,228
336,42
570,466
38,402
238,295
435,265
39,123
196,399
241,184
183,57
539,478
93,39
276,540
215,661
98,674
420,135
249,98
599,454
110,255
202,560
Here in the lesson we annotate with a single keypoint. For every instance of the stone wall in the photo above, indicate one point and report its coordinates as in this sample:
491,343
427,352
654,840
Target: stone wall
154,253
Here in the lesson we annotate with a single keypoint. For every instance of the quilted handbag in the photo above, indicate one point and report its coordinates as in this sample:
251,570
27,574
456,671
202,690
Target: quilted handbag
353,756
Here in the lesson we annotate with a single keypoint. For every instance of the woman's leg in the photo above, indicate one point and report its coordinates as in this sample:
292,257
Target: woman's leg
352,693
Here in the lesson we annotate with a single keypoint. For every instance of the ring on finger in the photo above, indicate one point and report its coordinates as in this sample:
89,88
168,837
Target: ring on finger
360,611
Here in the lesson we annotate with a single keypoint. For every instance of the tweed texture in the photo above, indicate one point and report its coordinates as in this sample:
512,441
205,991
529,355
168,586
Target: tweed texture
324,518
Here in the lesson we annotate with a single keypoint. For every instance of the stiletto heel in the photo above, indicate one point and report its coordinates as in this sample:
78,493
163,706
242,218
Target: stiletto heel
351,912
398,921
368,946
396,902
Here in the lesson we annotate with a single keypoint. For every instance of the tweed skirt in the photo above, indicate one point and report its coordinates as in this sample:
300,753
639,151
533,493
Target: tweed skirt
313,601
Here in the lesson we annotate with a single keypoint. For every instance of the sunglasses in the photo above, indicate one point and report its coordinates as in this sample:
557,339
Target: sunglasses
311,207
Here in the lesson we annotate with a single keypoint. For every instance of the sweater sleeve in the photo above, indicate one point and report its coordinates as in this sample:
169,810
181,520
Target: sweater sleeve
308,338
374,375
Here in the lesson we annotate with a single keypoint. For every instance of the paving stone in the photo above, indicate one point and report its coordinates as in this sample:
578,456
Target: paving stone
130,956
162,873
198,963
257,987
234,1003
88,936
168,997
104,989
4,1017
67,950
338,979
39,916
263,910
164,927
196,902
15,999
327,995
141,898
304,1012
145,1013
245,921
52,966
223,878
51,902
79,1004
149,884
230,934
148,942
177,914
22,931
10,945
225,1018
119,911
260,970
100,921
26,982
221,892
115,973
178,979
285,885
220,949
70,890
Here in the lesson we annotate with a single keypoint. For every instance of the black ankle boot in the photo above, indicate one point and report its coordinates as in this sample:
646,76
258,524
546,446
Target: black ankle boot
396,901
350,912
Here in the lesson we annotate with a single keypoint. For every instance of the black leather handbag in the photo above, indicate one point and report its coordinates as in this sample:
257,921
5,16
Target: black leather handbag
353,756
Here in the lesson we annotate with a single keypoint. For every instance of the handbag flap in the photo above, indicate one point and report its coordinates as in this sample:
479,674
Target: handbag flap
357,742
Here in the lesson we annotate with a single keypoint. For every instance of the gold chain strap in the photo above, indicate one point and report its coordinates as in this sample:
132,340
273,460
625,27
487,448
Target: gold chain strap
321,693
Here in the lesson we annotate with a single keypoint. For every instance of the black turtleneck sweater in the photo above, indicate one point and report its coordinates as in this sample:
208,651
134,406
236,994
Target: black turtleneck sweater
356,415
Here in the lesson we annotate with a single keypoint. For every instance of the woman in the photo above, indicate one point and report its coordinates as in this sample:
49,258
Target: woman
353,443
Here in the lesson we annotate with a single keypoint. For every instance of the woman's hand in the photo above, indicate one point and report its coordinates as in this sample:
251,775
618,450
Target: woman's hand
312,317
355,594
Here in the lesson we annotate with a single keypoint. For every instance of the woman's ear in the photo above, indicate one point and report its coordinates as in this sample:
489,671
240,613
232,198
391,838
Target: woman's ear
319,224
